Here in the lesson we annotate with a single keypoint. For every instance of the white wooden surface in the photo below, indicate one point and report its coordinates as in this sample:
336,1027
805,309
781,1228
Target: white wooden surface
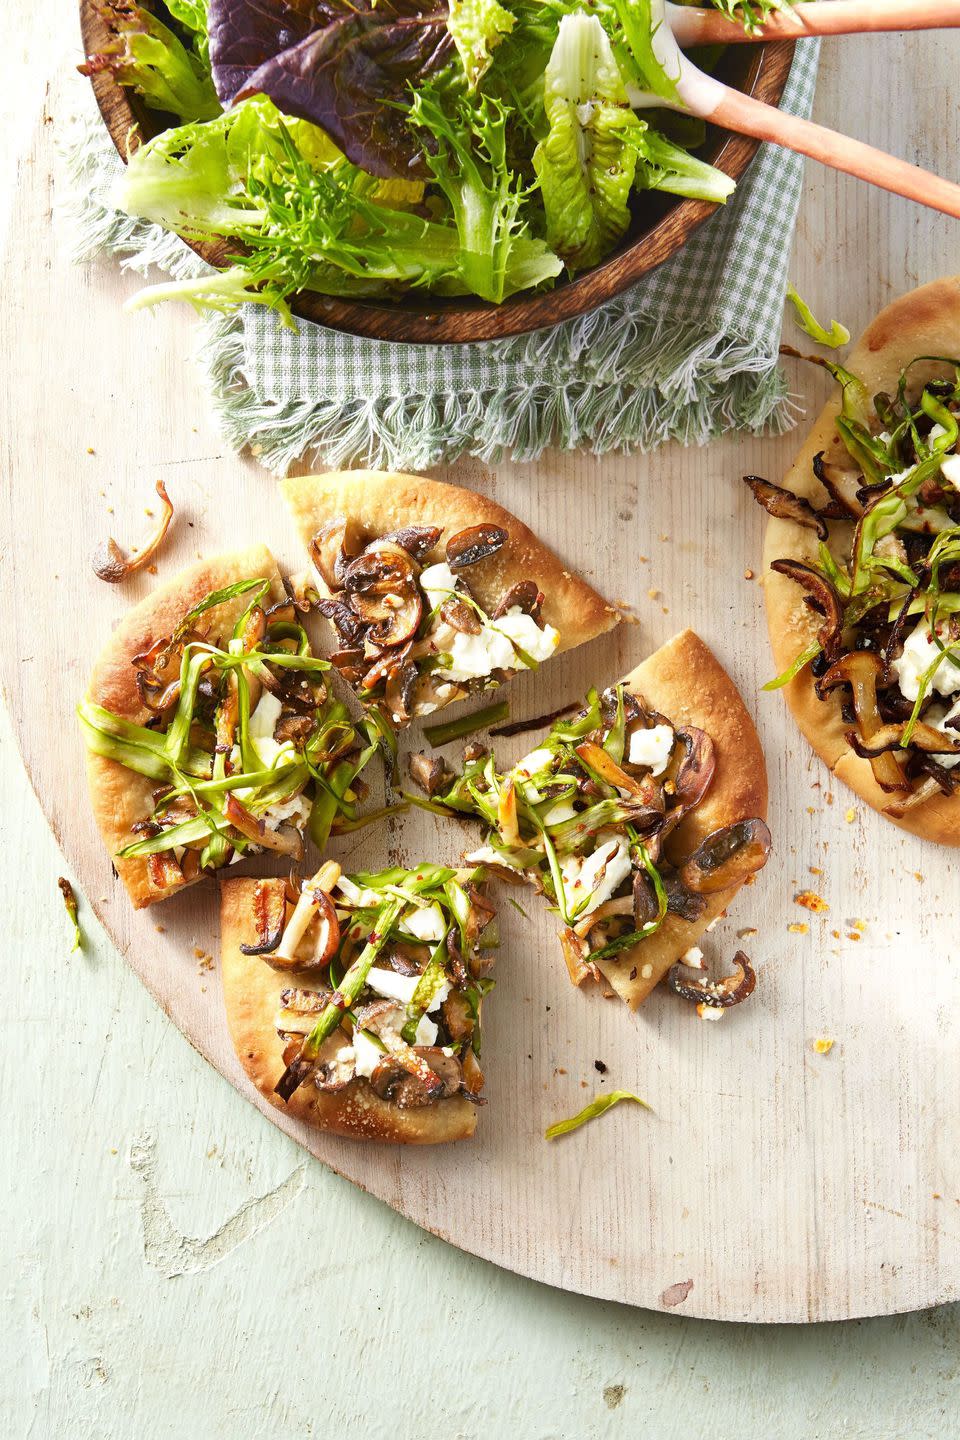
786,1185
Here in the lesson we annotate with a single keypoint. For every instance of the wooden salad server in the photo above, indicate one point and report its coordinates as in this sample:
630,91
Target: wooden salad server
693,26
702,95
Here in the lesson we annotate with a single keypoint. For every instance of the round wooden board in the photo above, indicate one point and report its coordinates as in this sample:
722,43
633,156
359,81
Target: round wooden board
781,1184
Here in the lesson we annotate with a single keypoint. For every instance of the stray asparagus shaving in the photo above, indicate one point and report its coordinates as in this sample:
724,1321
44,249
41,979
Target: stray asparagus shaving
70,901
837,335
466,724
597,1107
112,564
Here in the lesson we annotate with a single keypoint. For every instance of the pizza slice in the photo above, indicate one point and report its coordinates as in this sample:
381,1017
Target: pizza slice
435,593
862,555
209,730
354,1001
638,820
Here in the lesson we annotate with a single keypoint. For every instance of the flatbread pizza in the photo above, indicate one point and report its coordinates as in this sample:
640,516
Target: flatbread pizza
638,820
354,1002
209,730
862,568
435,593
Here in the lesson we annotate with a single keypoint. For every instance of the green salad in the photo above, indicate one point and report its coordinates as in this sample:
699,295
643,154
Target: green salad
459,147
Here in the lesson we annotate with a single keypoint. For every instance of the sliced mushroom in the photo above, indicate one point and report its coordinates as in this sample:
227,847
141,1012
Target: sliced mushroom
408,1077
784,505
575,951
821,597
430,772
863,670
472,1077
457,613
477,542
889,737
680,900
645,907
300,1009
329,552
381,584
457,1016
286,839
716,994
727,857
841,486
526,595
399,692
349,626
696,769
406,959
269,913
417,540
314,903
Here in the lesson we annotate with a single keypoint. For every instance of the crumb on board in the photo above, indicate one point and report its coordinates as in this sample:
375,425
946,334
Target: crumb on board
814,869
599,1066
811,810
811,901
798,927
653,593
749,575
854,935
709,1012
835,934
850,816
160,929
823,1046
747,931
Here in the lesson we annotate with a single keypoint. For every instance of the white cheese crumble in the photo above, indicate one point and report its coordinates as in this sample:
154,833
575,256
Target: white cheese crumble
652,747
919,652
597,875
367,1055
438,583
693,957
426,1031
950,470
425,923
473,657
486,855
391,985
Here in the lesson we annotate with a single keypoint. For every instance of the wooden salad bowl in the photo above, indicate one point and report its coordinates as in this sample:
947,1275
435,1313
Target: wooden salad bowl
661,224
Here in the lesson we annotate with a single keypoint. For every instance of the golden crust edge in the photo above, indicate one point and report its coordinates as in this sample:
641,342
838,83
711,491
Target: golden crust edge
250,992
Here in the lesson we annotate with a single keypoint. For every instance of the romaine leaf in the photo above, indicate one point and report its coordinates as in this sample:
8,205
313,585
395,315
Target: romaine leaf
147,56
661,165
585,167
347,68
477,26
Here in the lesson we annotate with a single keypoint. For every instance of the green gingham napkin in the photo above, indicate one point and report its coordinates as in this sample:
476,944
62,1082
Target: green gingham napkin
686,353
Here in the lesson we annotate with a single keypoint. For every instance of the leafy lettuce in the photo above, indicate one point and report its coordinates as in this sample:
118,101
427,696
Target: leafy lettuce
148,56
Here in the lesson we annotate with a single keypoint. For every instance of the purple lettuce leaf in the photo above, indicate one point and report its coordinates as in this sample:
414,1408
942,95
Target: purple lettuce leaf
345,68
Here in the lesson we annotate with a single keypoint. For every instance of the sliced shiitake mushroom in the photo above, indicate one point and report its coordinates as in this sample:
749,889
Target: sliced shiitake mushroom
863,670
841,486
381,584
430,772
460,616
716,994
696,769
821,597
457,1016
727,857
680,900
286,839
417,540
408,1078
645,907
399,692
331,550
347,623
477,542
112,564
269,913
784,505
526,596
889,737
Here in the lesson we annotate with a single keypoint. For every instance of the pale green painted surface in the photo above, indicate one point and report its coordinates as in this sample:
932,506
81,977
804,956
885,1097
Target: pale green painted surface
173,1266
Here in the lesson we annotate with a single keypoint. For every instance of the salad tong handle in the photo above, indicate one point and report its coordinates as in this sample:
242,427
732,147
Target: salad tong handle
818,17
736,111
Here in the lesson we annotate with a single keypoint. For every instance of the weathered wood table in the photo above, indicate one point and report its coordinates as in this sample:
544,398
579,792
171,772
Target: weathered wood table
176,1266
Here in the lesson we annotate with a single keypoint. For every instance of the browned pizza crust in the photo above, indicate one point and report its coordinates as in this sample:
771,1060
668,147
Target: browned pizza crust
923,322
251,992
686,683
378,502
119,796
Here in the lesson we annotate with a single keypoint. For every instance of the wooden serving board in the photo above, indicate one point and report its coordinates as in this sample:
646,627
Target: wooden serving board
769,1183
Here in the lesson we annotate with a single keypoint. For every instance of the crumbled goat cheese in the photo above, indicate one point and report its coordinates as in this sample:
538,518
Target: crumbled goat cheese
652,747
919,652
